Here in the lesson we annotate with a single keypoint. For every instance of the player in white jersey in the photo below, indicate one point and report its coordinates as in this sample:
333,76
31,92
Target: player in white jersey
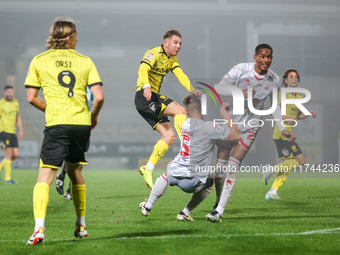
190,170
262,81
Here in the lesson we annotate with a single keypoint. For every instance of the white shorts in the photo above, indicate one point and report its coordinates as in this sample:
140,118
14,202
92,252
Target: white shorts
225,145
190,185
247,139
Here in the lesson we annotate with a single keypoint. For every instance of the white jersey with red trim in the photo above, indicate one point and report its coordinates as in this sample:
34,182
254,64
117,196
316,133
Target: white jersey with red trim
243,76
197,149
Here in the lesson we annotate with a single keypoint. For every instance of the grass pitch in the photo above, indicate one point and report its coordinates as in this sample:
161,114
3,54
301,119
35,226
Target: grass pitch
305,221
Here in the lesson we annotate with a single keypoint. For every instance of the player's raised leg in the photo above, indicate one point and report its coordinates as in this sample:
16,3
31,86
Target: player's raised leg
68,193
60,180
179,114
160,148
158,190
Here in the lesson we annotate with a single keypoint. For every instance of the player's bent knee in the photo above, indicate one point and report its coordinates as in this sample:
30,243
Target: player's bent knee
302,161
171,138
182,111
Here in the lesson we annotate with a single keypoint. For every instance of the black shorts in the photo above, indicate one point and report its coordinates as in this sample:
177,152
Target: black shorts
152,111
9,140
287,149
64,142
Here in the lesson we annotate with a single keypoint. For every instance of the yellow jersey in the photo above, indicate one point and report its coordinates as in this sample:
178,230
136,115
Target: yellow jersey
157,64
8,113
63,75
292,111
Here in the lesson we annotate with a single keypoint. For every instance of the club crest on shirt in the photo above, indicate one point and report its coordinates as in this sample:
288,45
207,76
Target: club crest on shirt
294,148
267,87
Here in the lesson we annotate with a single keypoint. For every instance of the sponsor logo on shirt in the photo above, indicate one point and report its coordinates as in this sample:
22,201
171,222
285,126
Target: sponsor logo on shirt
150,55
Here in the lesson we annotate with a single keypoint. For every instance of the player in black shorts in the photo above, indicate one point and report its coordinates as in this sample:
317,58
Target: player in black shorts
155,108
289,152
9,112
63,74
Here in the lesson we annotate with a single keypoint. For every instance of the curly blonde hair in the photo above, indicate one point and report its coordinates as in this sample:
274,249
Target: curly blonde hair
59,32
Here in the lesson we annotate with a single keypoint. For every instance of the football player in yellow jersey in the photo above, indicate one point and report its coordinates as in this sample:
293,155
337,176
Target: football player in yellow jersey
155,108
289,152
9,112
63,75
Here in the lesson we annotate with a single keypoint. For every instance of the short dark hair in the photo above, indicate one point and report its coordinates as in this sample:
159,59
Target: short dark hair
285,76
262,46
192,103
8,87
170,33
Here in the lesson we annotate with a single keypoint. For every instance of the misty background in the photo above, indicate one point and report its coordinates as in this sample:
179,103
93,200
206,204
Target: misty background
216,35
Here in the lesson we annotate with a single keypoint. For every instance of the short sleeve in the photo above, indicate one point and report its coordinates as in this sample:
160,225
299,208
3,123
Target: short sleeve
233,74
150,57
93,77
32,78
18,107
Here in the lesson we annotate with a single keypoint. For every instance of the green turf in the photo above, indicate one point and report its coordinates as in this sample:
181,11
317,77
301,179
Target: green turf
251,224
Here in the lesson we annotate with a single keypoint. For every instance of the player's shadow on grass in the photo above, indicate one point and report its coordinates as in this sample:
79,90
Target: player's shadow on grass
136,235
267,218
322,197
114,197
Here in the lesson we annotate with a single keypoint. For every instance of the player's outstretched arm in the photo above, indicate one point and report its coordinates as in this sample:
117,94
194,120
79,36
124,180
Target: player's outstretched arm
98,101
303,116
184,80
235,133
33,99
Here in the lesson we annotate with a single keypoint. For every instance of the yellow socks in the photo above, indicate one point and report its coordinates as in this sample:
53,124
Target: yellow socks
41,196
79,198
8,169
159,150
178,123
2,164
284,169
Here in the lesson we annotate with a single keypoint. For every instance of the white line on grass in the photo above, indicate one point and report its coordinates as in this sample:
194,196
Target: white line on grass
313,232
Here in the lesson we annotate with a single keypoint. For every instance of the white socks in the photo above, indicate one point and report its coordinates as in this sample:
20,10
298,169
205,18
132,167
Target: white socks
229,184
220,175
150,166
80,221
157,191
39,223
196,199
273,191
